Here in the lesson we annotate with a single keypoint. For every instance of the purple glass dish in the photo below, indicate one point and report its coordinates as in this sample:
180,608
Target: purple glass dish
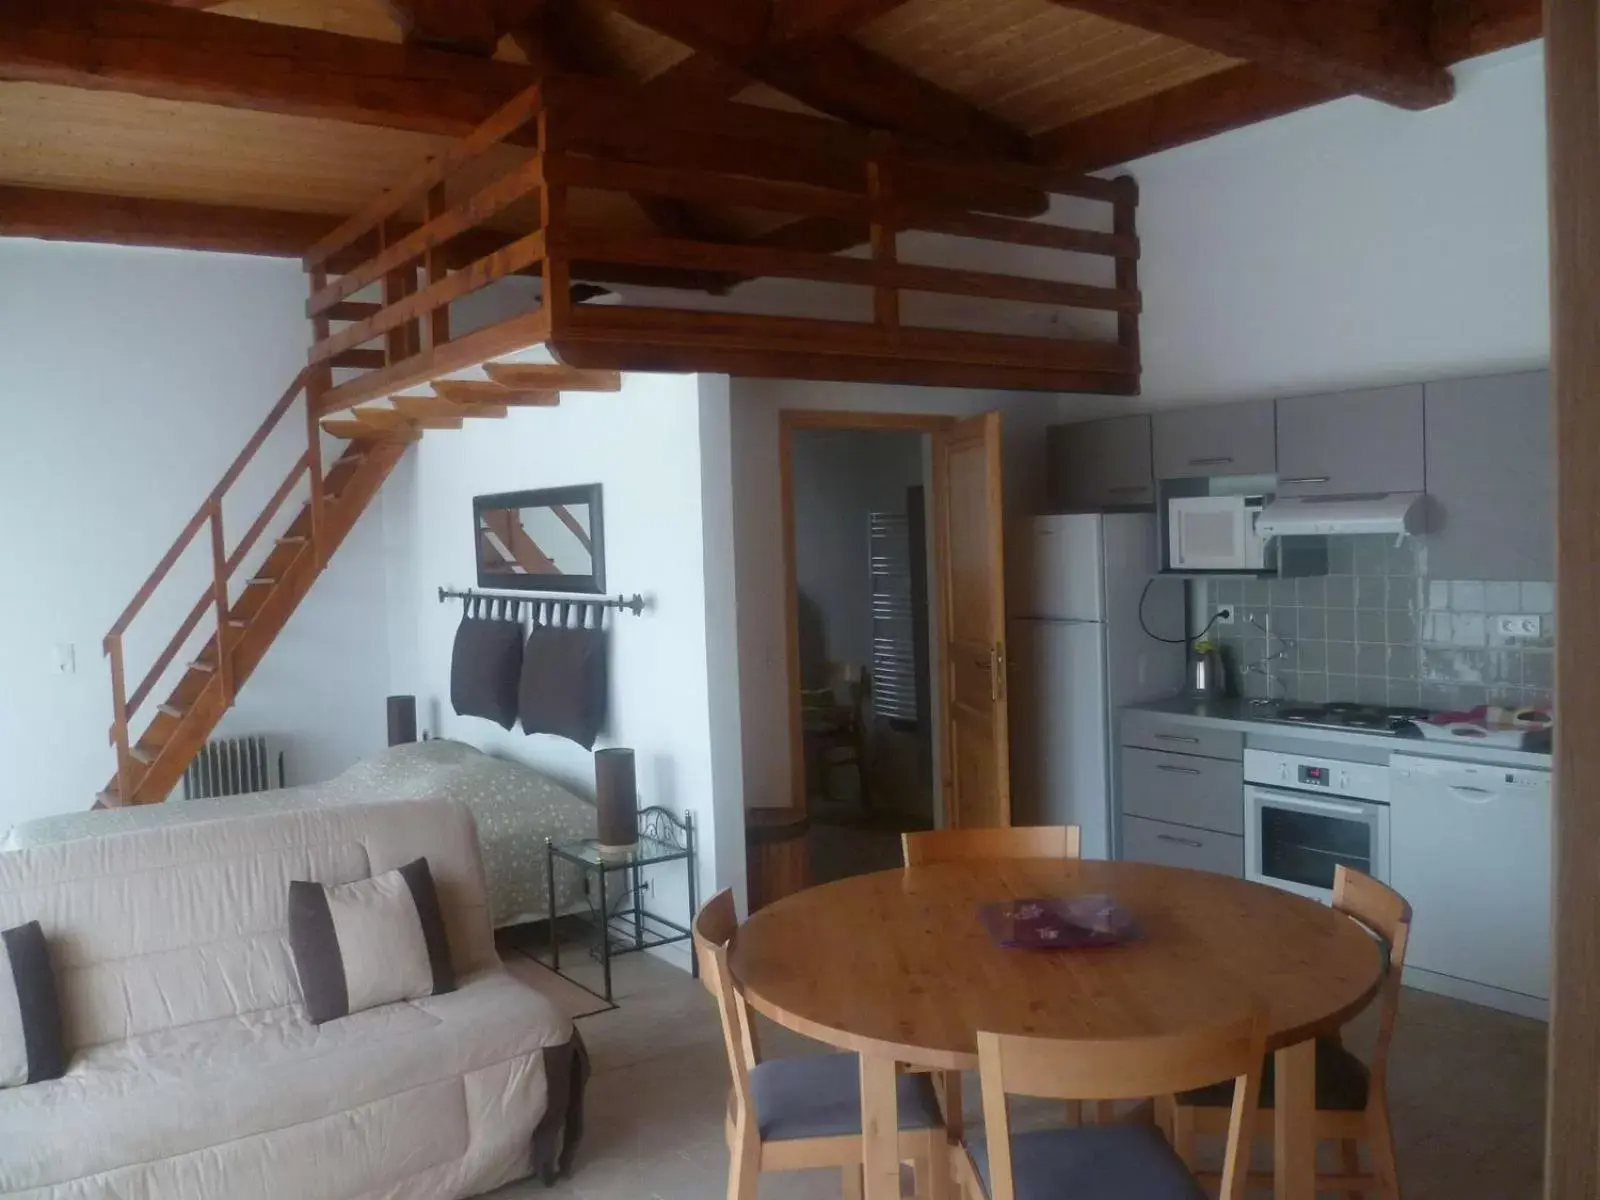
1057,923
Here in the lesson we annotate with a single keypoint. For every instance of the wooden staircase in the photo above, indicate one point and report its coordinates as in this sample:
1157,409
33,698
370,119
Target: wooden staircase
250,610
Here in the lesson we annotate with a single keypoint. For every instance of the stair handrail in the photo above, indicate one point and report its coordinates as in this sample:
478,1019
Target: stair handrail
223,566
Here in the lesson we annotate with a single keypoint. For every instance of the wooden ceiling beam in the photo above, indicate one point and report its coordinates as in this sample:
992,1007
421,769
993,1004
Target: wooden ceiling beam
1213,104
1249,93
172,53
458,26
175,224
1379,48
802,20
833,75
1464,29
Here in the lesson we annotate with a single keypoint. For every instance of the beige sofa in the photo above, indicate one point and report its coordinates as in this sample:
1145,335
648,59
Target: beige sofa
194,1073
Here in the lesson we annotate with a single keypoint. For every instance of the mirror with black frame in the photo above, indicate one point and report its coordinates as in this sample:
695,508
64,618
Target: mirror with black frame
545,540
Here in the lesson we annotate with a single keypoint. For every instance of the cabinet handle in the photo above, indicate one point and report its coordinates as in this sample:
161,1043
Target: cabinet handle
1129,489
1306,479
1215,461
1177,737
1172,770
1178,841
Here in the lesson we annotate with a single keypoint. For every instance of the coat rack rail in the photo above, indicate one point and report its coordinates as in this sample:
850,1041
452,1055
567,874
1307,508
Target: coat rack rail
633,603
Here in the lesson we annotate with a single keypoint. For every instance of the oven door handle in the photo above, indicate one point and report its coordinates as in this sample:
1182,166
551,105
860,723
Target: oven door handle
1294,800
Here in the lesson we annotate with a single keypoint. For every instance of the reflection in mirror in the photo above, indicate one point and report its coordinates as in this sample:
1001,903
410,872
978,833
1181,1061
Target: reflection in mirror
546,540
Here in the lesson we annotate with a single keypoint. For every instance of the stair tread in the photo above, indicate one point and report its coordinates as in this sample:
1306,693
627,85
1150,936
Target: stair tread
171,710
545,377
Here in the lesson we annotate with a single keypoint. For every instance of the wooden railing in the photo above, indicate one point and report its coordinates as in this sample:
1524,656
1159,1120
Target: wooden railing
126,704
422,269
824,188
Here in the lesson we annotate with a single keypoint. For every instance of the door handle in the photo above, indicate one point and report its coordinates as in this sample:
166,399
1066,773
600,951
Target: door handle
1177,737
997,674
1306,479
1172,770
1215,460
1178,841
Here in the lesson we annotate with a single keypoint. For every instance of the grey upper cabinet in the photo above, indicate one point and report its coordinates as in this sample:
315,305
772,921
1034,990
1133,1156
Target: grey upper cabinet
1351,443
1491,485
1223,439
1097,465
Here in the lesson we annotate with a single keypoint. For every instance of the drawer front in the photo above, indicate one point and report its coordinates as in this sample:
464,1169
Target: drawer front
1204,793
1154,732
1176,846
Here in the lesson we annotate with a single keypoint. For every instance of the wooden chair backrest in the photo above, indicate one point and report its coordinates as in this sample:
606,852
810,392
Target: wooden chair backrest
714,929
1121,1069
965,845
1387,914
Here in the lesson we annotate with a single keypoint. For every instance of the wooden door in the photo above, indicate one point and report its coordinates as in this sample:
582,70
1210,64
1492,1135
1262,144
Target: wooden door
1572,83
978,772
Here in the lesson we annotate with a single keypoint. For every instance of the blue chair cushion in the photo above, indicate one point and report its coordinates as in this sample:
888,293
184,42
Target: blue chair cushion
817,1096
1097,1162
1342,1081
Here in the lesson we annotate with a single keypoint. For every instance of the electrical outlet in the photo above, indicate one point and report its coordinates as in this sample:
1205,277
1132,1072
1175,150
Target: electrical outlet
1519,626
1225,615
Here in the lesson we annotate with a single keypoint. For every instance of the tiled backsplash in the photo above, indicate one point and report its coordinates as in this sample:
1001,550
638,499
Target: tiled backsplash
1377,629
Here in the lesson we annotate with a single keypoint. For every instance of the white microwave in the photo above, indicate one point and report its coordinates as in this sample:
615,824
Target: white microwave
1215,533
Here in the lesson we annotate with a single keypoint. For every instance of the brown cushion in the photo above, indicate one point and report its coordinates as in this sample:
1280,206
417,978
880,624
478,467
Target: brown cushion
1341,1083
484,669
31,1045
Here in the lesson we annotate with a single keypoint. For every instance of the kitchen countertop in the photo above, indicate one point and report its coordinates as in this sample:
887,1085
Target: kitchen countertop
1237,714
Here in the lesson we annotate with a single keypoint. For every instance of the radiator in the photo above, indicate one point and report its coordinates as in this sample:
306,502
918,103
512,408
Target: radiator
231,767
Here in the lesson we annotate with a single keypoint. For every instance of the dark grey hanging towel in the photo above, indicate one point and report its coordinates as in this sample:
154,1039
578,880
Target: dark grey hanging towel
487,663
564,683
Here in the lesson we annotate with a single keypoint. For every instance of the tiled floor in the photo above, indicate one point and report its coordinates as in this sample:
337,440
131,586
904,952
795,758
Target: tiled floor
1467,1087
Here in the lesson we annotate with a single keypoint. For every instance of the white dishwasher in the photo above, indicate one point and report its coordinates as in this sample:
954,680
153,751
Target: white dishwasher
1470,849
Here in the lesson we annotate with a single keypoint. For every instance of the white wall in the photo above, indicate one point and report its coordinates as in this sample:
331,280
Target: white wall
129,380
660,450
1350,244
763,658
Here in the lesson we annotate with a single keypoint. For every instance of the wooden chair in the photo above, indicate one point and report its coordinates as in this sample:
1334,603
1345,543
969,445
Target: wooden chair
965,845
1124,1160
835,734
1352,1099
805,1112
956,845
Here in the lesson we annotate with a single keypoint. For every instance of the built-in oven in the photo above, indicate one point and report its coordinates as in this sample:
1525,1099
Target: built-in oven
1305,817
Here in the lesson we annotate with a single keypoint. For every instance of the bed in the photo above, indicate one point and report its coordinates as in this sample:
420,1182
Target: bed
515,808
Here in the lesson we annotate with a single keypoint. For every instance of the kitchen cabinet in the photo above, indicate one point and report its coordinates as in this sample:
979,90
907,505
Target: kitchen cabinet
1491,478
1206,793
1178,846
1098,465
1180,790
1222,439
1352,443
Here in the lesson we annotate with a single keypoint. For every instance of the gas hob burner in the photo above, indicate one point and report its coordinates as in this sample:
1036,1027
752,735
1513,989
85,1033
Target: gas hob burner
1399,721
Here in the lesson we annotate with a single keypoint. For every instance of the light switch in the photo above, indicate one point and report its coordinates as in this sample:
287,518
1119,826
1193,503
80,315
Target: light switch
66,658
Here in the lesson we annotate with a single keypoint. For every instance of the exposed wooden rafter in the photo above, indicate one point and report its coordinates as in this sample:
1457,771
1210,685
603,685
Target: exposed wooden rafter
1211,105
831,74
183,54
459,26
1380,48
1249,93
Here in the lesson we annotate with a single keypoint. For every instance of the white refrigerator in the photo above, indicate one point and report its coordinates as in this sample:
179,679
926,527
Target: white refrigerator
1078,654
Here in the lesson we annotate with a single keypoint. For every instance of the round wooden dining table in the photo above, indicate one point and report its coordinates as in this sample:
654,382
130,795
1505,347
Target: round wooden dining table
898,967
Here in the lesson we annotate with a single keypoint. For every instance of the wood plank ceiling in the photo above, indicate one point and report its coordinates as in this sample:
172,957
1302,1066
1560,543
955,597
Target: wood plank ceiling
300,110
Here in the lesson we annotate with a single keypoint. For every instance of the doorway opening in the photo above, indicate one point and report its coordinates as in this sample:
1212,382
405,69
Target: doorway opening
864,607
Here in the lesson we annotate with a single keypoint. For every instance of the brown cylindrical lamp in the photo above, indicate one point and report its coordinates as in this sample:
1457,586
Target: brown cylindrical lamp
402,720
617,799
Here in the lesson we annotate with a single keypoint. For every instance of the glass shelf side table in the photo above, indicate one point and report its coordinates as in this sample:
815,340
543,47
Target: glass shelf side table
663,839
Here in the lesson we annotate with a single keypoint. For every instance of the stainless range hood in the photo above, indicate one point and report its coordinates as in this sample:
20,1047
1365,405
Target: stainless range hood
1394,513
